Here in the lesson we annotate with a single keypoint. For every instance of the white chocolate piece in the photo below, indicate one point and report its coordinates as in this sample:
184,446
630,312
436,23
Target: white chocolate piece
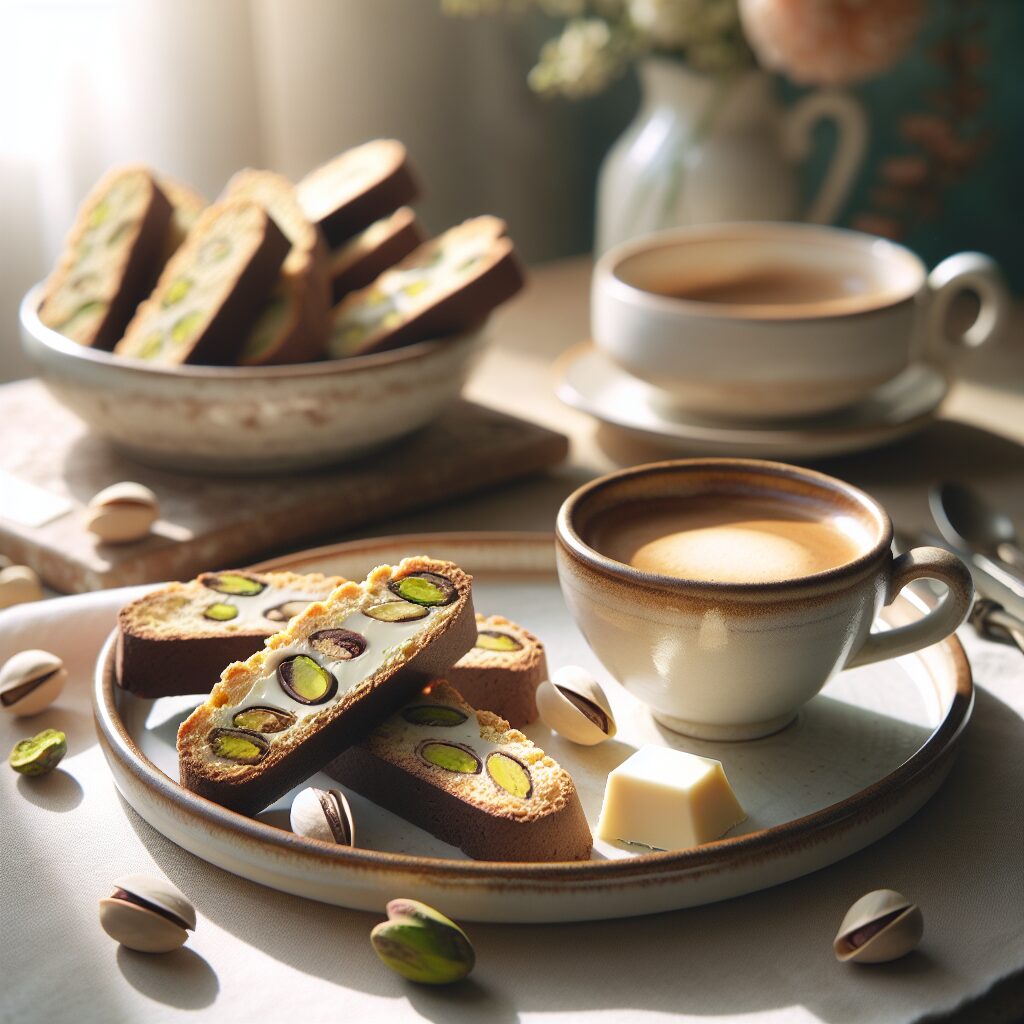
122,513
669,800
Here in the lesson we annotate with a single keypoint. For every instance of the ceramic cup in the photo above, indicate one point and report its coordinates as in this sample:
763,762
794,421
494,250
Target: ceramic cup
736,660
780,320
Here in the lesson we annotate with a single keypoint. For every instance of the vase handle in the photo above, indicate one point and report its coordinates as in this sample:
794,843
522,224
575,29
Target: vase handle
851,144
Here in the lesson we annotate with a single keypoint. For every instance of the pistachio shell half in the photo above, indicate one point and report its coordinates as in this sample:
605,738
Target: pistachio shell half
19,584
147,914
31,681
323,814
881,926
122,513
421,944
574,705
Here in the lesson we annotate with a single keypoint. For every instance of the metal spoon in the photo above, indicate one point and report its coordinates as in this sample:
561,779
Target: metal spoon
965,519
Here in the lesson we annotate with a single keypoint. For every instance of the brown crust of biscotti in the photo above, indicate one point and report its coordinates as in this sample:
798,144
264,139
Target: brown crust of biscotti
559,834
151,664
394,185
141,267
248,789
186,205
503,683
459,309
362,269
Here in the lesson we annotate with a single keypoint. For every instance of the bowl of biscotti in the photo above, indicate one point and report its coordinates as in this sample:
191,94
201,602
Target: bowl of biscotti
280,327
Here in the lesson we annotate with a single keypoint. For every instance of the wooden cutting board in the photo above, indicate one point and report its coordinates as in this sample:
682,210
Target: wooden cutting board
50,466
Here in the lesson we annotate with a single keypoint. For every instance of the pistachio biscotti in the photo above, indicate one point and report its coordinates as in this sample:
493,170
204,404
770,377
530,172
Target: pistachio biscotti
325,682
110,260
447,285
292,328
502,670
177,639
212,289
468,778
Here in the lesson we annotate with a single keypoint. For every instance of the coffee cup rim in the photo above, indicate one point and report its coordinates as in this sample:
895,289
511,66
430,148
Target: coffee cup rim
607,272
568,536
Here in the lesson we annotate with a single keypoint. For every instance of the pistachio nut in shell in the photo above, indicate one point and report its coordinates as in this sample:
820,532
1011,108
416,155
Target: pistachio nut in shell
39,754
19,584
31,681
881,926
323,814
147,914
423,945
122,513
574,705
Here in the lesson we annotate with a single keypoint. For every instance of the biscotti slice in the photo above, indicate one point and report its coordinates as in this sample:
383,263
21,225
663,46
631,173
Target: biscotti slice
178,639
347,194
212,289
335,673
292,328
447,285
468,778
502,671
110,259
361,260
186,205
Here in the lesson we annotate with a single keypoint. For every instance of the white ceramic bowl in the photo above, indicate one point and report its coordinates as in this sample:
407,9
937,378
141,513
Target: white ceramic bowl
242,420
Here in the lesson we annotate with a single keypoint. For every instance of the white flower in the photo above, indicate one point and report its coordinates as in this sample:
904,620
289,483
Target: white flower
579,62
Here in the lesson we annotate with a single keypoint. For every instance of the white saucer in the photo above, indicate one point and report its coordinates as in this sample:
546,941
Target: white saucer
591,382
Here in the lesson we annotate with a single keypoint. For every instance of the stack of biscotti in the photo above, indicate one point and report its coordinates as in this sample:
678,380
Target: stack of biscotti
447,285
468,778
212,289
111,258
293,325
324,682
177,639
502,671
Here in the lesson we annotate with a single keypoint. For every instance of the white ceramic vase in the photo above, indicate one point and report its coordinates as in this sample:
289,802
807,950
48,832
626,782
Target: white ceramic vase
704,149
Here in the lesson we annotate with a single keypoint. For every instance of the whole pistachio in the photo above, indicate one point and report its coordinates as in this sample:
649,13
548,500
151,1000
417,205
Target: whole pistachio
40,754
30,682
147,914
423,945
18,584
882,925
122,513
323,814
574,705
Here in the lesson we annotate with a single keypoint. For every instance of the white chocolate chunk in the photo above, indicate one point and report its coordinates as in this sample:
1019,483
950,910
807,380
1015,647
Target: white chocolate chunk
669,800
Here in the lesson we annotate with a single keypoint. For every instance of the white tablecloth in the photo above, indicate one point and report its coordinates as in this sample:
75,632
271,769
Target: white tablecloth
258,955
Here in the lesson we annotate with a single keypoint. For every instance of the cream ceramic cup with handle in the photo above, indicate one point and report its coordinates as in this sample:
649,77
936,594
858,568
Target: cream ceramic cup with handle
772,320
724,593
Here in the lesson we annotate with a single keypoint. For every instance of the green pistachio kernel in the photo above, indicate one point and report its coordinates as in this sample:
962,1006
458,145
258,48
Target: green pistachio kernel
221,612
176,291
239,745
40,754
493,640
306,681
261,719
425,588
466,264
452,757
234,583
393,319
414,288
509,774
422,945
433,714
150,347
100,212
185,327
396,611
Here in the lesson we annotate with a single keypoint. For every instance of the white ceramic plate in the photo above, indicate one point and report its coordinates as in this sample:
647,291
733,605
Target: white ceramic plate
861,758
591,382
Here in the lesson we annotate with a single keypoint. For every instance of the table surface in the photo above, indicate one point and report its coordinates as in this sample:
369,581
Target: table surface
322,951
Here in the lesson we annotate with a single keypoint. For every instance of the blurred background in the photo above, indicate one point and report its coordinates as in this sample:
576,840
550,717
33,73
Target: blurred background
199,88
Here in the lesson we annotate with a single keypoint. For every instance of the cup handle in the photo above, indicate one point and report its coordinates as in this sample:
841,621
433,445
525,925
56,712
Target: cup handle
966,271
851,143
938,623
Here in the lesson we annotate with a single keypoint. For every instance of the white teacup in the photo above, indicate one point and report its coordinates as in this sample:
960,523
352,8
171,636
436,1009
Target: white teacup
770,320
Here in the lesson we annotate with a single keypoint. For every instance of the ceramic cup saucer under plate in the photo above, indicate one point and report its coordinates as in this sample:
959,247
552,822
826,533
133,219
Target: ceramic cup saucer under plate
591,382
